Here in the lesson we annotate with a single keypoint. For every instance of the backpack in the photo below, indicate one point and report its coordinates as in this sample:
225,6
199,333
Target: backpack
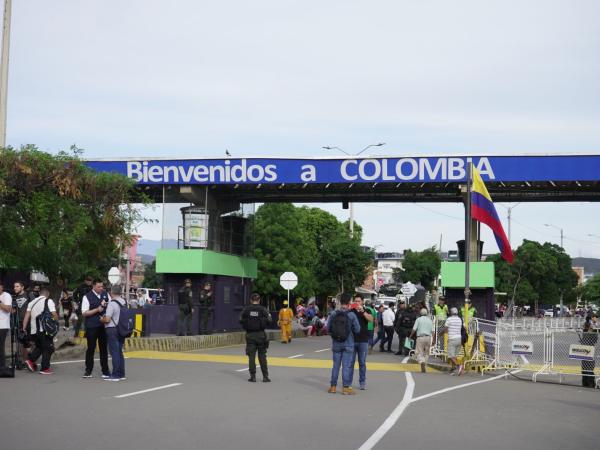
464,336
45,323
126,324
339,326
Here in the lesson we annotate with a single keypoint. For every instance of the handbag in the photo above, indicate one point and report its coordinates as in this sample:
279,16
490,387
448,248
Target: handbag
409,343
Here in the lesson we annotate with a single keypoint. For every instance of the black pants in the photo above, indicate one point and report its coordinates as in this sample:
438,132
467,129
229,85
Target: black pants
3,334
44,347
587,370
257,341
389,337
96,335
402,335
205,318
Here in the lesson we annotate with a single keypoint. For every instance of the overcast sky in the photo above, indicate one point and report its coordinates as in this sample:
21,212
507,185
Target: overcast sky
284,78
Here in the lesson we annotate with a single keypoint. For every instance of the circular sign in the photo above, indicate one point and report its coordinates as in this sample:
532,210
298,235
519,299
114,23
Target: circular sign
114,275
288,280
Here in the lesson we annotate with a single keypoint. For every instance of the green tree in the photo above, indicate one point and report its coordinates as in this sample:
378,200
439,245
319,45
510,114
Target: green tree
152,279
423,267
590,291
60,217
539,273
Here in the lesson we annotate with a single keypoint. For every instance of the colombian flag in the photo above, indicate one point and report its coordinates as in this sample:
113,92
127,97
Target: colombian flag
483,210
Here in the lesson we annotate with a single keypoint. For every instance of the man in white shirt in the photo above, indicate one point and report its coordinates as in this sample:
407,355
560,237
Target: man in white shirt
5,310
453,326
388,317
44,345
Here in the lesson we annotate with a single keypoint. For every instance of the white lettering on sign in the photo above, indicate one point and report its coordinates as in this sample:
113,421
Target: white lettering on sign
581,352
522,348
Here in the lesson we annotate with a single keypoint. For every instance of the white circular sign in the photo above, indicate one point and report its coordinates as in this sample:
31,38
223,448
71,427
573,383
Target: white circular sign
114,275
288,281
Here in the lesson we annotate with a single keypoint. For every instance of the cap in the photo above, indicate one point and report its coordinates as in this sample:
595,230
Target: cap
285,302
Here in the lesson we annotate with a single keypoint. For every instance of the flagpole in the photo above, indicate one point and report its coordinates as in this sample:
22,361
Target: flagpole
468,222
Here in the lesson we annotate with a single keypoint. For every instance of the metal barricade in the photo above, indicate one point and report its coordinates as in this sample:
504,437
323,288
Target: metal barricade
574,353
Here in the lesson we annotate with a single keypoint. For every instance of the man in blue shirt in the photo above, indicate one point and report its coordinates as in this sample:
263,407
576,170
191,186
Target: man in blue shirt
341,326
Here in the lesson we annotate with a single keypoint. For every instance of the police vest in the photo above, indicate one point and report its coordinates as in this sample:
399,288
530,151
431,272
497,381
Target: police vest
441,312
94,301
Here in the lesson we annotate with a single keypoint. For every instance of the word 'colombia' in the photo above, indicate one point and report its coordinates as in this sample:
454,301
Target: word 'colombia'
320,171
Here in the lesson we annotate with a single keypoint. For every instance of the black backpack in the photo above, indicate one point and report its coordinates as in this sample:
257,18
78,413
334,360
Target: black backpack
254,321
126,324
339,326
45,323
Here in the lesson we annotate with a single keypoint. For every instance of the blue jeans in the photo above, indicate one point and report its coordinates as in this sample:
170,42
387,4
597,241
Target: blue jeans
115,347
360,349
342,356
380,336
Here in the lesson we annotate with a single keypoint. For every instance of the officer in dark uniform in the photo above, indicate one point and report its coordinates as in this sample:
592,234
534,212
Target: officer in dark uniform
254,319
184,299
589,337
78,295
206,308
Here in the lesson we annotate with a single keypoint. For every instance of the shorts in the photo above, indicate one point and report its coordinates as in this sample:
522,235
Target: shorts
454,346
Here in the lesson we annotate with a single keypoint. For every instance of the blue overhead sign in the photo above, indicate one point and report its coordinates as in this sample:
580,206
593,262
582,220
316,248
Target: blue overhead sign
360,170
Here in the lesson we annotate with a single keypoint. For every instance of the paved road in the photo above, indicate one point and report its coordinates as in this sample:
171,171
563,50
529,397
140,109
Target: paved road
212,406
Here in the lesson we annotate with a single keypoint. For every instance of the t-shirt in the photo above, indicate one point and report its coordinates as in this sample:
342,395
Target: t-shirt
388,318
114,311
36,307
423,326
363,334
5,299
454,325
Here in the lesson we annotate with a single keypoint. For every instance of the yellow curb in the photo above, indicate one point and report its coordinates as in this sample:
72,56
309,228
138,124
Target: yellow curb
273,361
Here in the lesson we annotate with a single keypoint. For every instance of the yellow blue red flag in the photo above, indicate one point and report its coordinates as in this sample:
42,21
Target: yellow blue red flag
483,210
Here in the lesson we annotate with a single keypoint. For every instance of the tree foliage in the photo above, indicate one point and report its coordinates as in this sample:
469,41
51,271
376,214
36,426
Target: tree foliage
313,244
152,279
60,217
419,267
590,291
539,274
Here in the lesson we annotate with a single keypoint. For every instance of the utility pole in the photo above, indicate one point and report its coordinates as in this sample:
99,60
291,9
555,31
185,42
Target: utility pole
510,208
4,71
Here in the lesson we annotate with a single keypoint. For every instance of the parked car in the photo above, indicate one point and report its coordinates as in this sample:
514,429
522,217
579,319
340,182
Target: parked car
390,301
548,313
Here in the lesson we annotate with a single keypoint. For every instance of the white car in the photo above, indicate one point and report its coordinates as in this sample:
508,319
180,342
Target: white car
548,313
390,301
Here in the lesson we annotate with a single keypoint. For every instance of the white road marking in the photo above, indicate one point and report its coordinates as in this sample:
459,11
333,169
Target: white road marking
247,368
166,386
295,356
323,350
460,386
76,361
405,360
393,417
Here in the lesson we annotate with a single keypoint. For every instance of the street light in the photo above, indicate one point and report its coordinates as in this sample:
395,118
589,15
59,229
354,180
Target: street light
509,217
561,232
4,70
350,204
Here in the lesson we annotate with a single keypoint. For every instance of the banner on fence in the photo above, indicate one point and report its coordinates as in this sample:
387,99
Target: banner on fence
581,352
522,348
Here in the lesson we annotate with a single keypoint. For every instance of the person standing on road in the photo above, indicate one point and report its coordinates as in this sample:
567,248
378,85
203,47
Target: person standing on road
186,309
341,326
5,311
44,344
380,332
115,341
400,327
589,337
361,341
286,315
372,325
422,329
453,325
92,307
206,309
22,300
388,326
254,319
78,295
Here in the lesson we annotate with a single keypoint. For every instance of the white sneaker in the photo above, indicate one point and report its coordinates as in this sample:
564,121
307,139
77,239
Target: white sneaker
122,379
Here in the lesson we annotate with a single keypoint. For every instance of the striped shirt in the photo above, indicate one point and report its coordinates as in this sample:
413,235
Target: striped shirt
454,325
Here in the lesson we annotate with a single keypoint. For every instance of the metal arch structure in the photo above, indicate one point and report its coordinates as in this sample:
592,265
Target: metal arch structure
509,178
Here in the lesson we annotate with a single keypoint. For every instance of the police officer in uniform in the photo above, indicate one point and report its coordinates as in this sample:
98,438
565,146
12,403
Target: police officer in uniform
206,308
254,319
184,299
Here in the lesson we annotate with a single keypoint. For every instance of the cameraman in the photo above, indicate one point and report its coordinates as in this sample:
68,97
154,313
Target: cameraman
5,310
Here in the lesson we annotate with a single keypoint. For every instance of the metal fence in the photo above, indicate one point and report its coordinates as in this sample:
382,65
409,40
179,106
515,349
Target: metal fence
553,347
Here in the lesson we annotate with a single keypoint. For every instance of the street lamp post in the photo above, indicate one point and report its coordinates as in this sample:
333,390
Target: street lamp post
350,204
561,246
4,70
510,208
